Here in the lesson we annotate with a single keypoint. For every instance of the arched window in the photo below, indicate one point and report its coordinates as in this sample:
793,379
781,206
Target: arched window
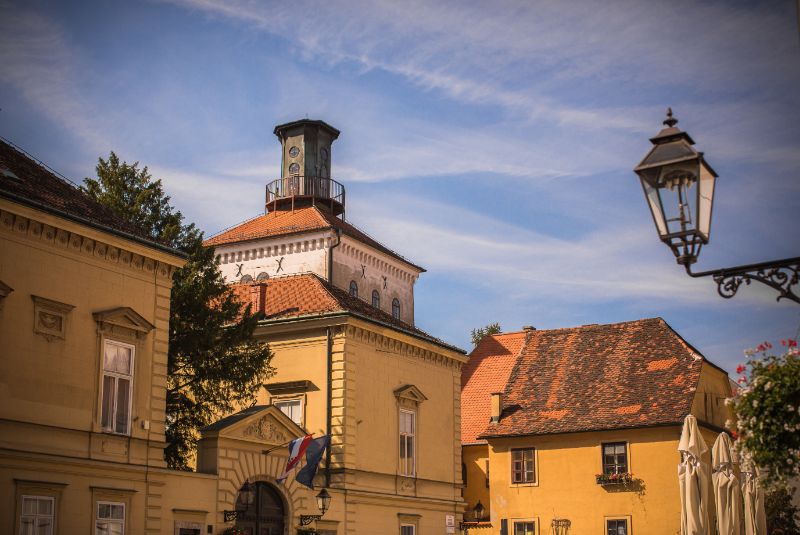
246,278
376,299
353,289
396,308
262,276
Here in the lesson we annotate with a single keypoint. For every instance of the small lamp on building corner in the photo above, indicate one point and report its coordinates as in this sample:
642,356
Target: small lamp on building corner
323,500
478,511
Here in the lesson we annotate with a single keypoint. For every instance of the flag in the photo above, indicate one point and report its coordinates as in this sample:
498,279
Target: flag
297,448
314,453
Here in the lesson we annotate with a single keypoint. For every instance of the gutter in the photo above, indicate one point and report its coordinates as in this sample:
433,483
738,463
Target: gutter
330,254
329,335
94,224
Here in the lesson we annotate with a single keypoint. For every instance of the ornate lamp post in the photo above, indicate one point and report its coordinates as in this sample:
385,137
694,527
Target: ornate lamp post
679,188
323,504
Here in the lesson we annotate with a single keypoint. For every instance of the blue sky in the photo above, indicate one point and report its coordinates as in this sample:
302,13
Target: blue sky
491,142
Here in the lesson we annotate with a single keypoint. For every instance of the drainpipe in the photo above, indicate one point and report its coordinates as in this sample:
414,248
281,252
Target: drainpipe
330,254
329,333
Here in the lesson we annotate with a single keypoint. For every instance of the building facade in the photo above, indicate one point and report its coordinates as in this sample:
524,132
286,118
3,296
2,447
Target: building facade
338,314
576,430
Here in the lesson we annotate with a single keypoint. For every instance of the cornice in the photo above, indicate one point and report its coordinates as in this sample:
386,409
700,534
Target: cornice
400,347
48,232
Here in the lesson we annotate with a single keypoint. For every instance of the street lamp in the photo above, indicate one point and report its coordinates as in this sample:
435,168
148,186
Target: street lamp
323,504
478,511
679,188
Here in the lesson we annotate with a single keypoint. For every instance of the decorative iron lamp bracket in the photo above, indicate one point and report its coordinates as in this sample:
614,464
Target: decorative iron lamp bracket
307,519
780,275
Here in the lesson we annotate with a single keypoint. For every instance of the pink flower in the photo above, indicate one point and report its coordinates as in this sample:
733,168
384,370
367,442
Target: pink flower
740,368
792,342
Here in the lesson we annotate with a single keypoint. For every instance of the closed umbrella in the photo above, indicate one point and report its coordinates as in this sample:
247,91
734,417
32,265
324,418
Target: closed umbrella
693,480
755,518
727,489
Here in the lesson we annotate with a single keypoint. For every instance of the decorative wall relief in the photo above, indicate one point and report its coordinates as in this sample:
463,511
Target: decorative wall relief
50,318
265,429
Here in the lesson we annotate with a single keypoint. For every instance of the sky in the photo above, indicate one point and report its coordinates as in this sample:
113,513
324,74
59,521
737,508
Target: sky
490,142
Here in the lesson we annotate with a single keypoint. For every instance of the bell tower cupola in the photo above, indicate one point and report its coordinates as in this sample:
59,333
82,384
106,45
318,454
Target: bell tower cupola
305,178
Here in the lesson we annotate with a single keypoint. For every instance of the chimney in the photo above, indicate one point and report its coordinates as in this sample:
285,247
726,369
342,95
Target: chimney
497,406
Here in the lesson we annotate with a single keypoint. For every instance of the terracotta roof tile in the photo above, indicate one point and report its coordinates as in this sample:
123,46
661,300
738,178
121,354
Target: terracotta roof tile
307,294
486,371
306,219
24,180
631,374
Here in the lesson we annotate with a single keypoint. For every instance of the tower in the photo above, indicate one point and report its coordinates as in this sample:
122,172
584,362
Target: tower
305,168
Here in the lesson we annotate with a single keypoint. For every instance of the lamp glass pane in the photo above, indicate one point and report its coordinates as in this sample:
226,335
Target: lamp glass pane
705,201
651,194
678,193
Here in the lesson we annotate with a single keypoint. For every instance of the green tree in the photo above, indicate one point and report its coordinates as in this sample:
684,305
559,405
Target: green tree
782,515
481,332
214,365
767,409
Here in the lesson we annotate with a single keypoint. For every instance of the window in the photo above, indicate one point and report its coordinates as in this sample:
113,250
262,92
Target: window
396,308
522,467
524,528
110,518
376,299
407,449
293,408
353,288
37,516
615,458
117,387
408,529
487,473
617,527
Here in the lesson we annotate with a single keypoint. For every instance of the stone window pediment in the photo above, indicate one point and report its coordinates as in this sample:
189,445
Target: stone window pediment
123,319
409,396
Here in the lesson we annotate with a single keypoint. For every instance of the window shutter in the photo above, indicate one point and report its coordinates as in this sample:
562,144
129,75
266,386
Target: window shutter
504,527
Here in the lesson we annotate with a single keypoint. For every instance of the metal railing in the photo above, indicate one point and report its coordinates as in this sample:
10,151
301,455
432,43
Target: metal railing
314,187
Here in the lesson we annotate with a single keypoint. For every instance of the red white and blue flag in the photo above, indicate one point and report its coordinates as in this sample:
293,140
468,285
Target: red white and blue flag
297,448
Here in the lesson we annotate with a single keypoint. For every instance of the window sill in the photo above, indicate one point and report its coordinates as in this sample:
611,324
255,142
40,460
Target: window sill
532,484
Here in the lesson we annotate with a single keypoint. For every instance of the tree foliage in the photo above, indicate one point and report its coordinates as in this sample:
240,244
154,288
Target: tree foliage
767,408
214,365
481,332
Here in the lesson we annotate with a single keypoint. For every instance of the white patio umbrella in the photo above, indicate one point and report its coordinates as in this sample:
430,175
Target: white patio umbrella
727,490
693,480
755,518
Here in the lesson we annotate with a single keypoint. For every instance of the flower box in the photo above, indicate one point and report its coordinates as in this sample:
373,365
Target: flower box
614,479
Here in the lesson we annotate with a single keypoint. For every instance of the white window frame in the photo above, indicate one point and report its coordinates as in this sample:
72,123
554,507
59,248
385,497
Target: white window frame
36,516
403,462
523,521
97,518
285,401
112,428
412,526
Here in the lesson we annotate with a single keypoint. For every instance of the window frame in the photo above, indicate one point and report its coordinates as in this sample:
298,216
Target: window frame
376,299
116,375
603,457
408,525
534,479
517,521
36,516
122,522
396,308
289,399
625,519
403,461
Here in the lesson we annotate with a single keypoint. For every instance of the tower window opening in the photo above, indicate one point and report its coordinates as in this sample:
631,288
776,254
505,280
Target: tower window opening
376,299
353,288
396,308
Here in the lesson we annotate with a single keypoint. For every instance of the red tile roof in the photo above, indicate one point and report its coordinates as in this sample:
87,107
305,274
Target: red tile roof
307,219
307,295
487,371
26,181
623,375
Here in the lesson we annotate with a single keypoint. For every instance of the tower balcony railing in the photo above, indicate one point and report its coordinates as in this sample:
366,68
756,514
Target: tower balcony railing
299,190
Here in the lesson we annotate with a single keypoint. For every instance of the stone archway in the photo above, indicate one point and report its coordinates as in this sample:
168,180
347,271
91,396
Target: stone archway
266,515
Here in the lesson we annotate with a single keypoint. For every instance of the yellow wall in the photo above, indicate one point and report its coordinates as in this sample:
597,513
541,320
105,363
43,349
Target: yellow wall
475,458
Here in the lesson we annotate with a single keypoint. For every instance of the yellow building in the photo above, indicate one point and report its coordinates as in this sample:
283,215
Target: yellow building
576,430
84,307
339,318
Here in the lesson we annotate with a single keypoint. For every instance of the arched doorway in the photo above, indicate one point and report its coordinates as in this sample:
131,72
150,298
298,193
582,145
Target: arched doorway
266,515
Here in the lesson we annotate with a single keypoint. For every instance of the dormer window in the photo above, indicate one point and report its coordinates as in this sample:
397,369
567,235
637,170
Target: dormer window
396,308
353,288
376,299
